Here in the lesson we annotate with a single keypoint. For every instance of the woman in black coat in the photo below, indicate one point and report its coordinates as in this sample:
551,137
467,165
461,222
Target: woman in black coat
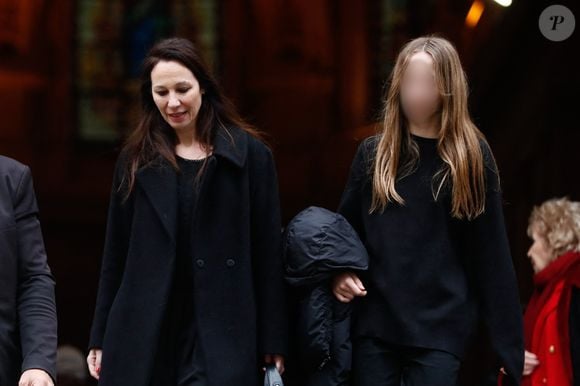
191,289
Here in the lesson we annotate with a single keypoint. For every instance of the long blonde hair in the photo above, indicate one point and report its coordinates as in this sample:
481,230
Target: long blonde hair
459,143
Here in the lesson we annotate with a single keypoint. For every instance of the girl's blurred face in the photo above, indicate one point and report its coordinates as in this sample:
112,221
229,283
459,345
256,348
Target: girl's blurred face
176,93
420,98
540,253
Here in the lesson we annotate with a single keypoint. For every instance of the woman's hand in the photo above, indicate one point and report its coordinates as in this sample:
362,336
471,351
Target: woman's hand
530,363
278,360
346,286
94,362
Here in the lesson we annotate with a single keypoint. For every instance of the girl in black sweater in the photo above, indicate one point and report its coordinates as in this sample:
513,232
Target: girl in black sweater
424,196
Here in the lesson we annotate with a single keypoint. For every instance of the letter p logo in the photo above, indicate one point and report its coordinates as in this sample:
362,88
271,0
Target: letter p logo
558,19
557,23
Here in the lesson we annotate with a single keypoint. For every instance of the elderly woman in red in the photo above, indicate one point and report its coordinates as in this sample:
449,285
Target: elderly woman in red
552,318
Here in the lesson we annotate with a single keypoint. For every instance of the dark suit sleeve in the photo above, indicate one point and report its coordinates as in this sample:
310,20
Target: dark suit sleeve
494,278
36,300
266,249
114,254
575,335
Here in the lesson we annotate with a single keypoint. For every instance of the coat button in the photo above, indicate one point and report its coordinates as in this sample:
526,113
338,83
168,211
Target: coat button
200,263
230,262
544,380
552,349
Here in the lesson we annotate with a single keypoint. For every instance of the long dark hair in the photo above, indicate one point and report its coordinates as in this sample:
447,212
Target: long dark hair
153,136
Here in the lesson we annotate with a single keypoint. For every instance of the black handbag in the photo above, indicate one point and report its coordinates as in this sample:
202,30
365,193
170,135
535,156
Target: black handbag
272,377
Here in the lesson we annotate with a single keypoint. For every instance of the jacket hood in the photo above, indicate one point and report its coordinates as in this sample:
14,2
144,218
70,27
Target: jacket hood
317,244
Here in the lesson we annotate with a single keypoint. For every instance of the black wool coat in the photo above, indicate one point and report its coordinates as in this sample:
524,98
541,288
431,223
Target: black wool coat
239,291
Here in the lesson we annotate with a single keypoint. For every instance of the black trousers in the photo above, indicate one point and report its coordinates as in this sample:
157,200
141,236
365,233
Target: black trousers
377,363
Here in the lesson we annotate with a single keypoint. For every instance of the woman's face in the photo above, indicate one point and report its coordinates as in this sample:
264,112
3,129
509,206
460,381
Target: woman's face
176,93
420,97
540,253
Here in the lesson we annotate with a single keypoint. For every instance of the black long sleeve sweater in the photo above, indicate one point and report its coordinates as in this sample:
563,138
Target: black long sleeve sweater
432,275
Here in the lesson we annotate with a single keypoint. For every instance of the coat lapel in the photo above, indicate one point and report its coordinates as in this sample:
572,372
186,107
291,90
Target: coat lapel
160,185
159,181
231,144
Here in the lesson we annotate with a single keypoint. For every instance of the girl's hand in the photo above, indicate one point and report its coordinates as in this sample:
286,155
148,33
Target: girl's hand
278,360
94,362
530,363
346,286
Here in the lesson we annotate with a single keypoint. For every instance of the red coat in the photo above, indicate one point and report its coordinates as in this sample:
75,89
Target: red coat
546,322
